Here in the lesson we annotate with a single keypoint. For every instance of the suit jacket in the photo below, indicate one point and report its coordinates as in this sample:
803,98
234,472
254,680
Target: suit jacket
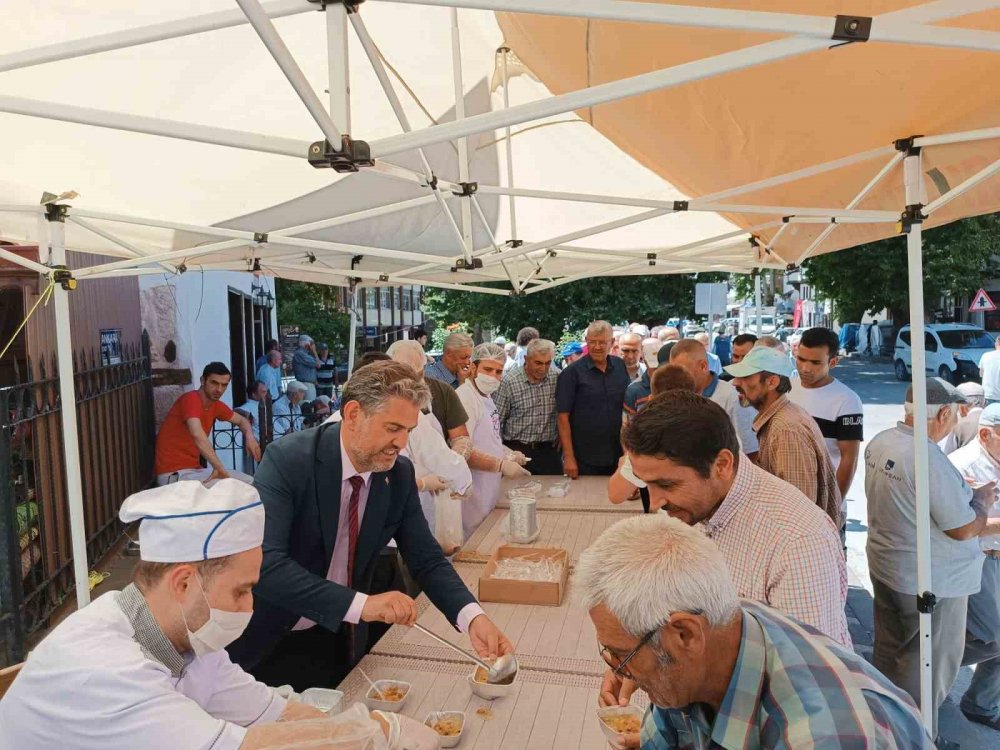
299,482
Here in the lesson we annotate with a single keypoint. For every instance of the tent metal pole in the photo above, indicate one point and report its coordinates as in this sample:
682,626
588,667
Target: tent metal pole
145,34
238,234
600,94
584,275
352,336
820,27
67,412
276,46
394,280
963,137
758,300
404,122
961,189
137,252
24,262
339,247
385,168
912,176
182,254
505,52
186,131
463,143
338,65
511,274
370,213
890,165
18,209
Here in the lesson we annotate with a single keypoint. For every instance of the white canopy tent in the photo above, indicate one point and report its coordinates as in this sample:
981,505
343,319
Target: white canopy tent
587,209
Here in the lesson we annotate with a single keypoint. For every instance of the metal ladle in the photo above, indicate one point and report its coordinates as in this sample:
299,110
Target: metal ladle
500,673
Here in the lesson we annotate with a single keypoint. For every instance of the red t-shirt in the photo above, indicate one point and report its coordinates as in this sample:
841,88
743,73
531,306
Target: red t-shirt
175,448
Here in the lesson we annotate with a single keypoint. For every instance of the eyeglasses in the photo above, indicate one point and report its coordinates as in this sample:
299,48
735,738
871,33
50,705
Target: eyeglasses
610,659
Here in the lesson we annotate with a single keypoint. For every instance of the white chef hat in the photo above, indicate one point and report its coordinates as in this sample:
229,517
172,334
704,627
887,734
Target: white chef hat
187,521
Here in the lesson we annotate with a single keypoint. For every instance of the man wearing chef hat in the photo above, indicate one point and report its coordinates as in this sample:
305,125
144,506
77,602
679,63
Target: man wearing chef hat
147,667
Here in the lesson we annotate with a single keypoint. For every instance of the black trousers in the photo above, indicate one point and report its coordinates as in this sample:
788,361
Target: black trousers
595,470
545,458
306,658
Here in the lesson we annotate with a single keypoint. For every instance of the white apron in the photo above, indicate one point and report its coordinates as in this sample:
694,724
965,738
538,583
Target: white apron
484,428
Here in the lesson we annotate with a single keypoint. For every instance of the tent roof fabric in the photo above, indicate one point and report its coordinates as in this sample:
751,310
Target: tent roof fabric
730,130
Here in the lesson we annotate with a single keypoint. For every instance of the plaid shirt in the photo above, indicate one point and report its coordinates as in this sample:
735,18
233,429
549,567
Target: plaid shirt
527,410
792,688
782,550
792,448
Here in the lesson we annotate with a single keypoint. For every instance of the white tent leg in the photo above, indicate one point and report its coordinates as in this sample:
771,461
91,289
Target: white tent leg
509,147
915,274
352,337
463,142
339,66
757,301
67,412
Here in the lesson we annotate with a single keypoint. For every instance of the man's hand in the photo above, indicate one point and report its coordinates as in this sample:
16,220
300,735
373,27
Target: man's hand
296,711
516,456
392,607
984,495
252,446
217,473
615,691
570,468
432,483
487,639
463,373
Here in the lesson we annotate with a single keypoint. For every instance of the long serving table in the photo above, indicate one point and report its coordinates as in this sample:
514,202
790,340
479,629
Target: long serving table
554,702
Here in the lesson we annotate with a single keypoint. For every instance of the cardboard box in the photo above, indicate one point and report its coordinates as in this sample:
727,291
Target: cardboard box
524,592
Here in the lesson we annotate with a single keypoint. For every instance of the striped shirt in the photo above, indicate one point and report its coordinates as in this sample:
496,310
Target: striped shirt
527,410
782,550
792,448
792,688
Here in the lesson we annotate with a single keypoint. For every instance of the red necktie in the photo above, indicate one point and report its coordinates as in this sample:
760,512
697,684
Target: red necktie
352,525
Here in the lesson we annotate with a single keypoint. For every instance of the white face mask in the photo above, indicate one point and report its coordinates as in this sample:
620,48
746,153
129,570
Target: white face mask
486,384
221,629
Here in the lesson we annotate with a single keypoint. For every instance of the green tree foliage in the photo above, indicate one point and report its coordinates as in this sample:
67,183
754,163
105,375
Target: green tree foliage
958,259
644,299
315,309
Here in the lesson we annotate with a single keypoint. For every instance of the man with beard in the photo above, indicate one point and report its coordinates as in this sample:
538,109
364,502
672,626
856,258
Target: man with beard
790,444
333,498
720,672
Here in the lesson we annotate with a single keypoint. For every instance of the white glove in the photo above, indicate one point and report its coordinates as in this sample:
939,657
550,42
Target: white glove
462,445
512,469
515,456
409,734
434,483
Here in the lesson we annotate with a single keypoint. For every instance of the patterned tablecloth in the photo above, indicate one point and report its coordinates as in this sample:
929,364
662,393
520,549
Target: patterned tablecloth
546,710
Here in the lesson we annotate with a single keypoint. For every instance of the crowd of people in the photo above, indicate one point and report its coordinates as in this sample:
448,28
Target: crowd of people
723,599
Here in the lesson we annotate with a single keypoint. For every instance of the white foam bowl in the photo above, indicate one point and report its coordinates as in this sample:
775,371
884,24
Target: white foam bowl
327,701
393,706
610,733
490,692
434,716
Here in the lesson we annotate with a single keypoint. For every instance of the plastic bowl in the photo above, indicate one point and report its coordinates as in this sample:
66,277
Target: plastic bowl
435,716
327,701
490,692
610,733
380,705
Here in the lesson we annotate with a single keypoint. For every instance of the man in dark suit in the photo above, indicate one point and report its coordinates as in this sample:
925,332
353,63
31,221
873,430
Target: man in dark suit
333,498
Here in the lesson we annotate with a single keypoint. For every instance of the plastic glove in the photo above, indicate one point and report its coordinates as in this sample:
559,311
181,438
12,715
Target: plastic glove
515,456
434,483
409,734
462,445
512,469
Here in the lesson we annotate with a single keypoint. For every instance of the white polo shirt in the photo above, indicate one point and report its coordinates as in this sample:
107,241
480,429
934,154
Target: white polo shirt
837,410
108,679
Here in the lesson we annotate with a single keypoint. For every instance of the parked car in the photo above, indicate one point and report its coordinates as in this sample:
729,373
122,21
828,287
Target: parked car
691,329
784,332
767,325
953,351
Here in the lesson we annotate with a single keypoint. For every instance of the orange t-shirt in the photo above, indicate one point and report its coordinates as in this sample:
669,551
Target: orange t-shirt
175,448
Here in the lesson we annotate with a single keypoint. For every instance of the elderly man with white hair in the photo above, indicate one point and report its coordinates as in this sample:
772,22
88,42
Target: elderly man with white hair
968,418
147,667
721,672
305,362
590,395
454,366
286,412
495,460
958,515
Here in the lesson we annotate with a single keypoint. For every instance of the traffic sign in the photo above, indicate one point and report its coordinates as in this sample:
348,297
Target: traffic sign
982,302
371,331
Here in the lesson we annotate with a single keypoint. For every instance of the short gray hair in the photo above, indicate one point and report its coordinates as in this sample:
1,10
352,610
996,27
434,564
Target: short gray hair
645,568
457,340
489,350
296,386
540,346
909,409
305,339
599,327
771,342
630,335
409,352
374,384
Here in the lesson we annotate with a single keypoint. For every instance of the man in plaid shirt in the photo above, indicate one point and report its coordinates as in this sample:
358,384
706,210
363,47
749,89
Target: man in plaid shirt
526,403
720,672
